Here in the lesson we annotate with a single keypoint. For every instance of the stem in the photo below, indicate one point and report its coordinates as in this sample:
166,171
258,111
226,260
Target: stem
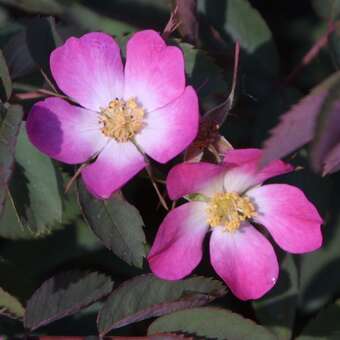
312,53
154,184
73,178
152,179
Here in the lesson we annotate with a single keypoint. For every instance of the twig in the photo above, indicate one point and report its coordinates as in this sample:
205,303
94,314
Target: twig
151,177
172,24
50,84
154,184
74,177
312,53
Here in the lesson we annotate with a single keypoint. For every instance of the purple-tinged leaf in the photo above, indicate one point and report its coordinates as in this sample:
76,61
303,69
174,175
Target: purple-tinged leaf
327,133
11,117
295,129
63,295
332,160
297,126
210,323
187,20
146,296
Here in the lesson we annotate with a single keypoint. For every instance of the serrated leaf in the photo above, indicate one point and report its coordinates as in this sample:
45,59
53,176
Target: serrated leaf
117,224
146,296
238,20
10,306
34,189
325,326
11,117
64,295
297,126
327,132
277,309
212,323
49,7
5,79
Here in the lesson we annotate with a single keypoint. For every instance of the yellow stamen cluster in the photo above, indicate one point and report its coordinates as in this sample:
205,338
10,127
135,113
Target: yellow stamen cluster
122,119
229,209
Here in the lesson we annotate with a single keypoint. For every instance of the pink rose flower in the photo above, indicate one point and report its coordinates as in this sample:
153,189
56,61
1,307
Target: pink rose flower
228,197
145,104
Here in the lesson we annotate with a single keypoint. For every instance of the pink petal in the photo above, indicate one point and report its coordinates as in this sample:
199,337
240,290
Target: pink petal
292,220
245,260
242,156
189,178
247,174
169,130
115,165
89,69
64,132
177,249
154,72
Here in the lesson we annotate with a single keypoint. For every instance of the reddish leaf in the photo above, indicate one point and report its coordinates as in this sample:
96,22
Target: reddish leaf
186,15
297,126
63,295
327,133
332,160
146,296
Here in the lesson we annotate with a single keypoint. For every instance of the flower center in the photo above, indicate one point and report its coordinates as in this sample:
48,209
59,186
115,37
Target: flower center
122,120
229,210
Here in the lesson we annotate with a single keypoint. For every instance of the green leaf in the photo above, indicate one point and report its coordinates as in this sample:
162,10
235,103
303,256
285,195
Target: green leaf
34,189
11,117
238,20
276,310
117,224
42,38
212,323
5,79
88,20
327,9
48,7
10,306
325,326
64,295
202,72
146,296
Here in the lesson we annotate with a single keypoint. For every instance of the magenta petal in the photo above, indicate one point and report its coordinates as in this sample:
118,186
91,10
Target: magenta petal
245,260
89,70
246,172
189,178
292,220
242,156
154,72
115,165
177,249
64,132
169,130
